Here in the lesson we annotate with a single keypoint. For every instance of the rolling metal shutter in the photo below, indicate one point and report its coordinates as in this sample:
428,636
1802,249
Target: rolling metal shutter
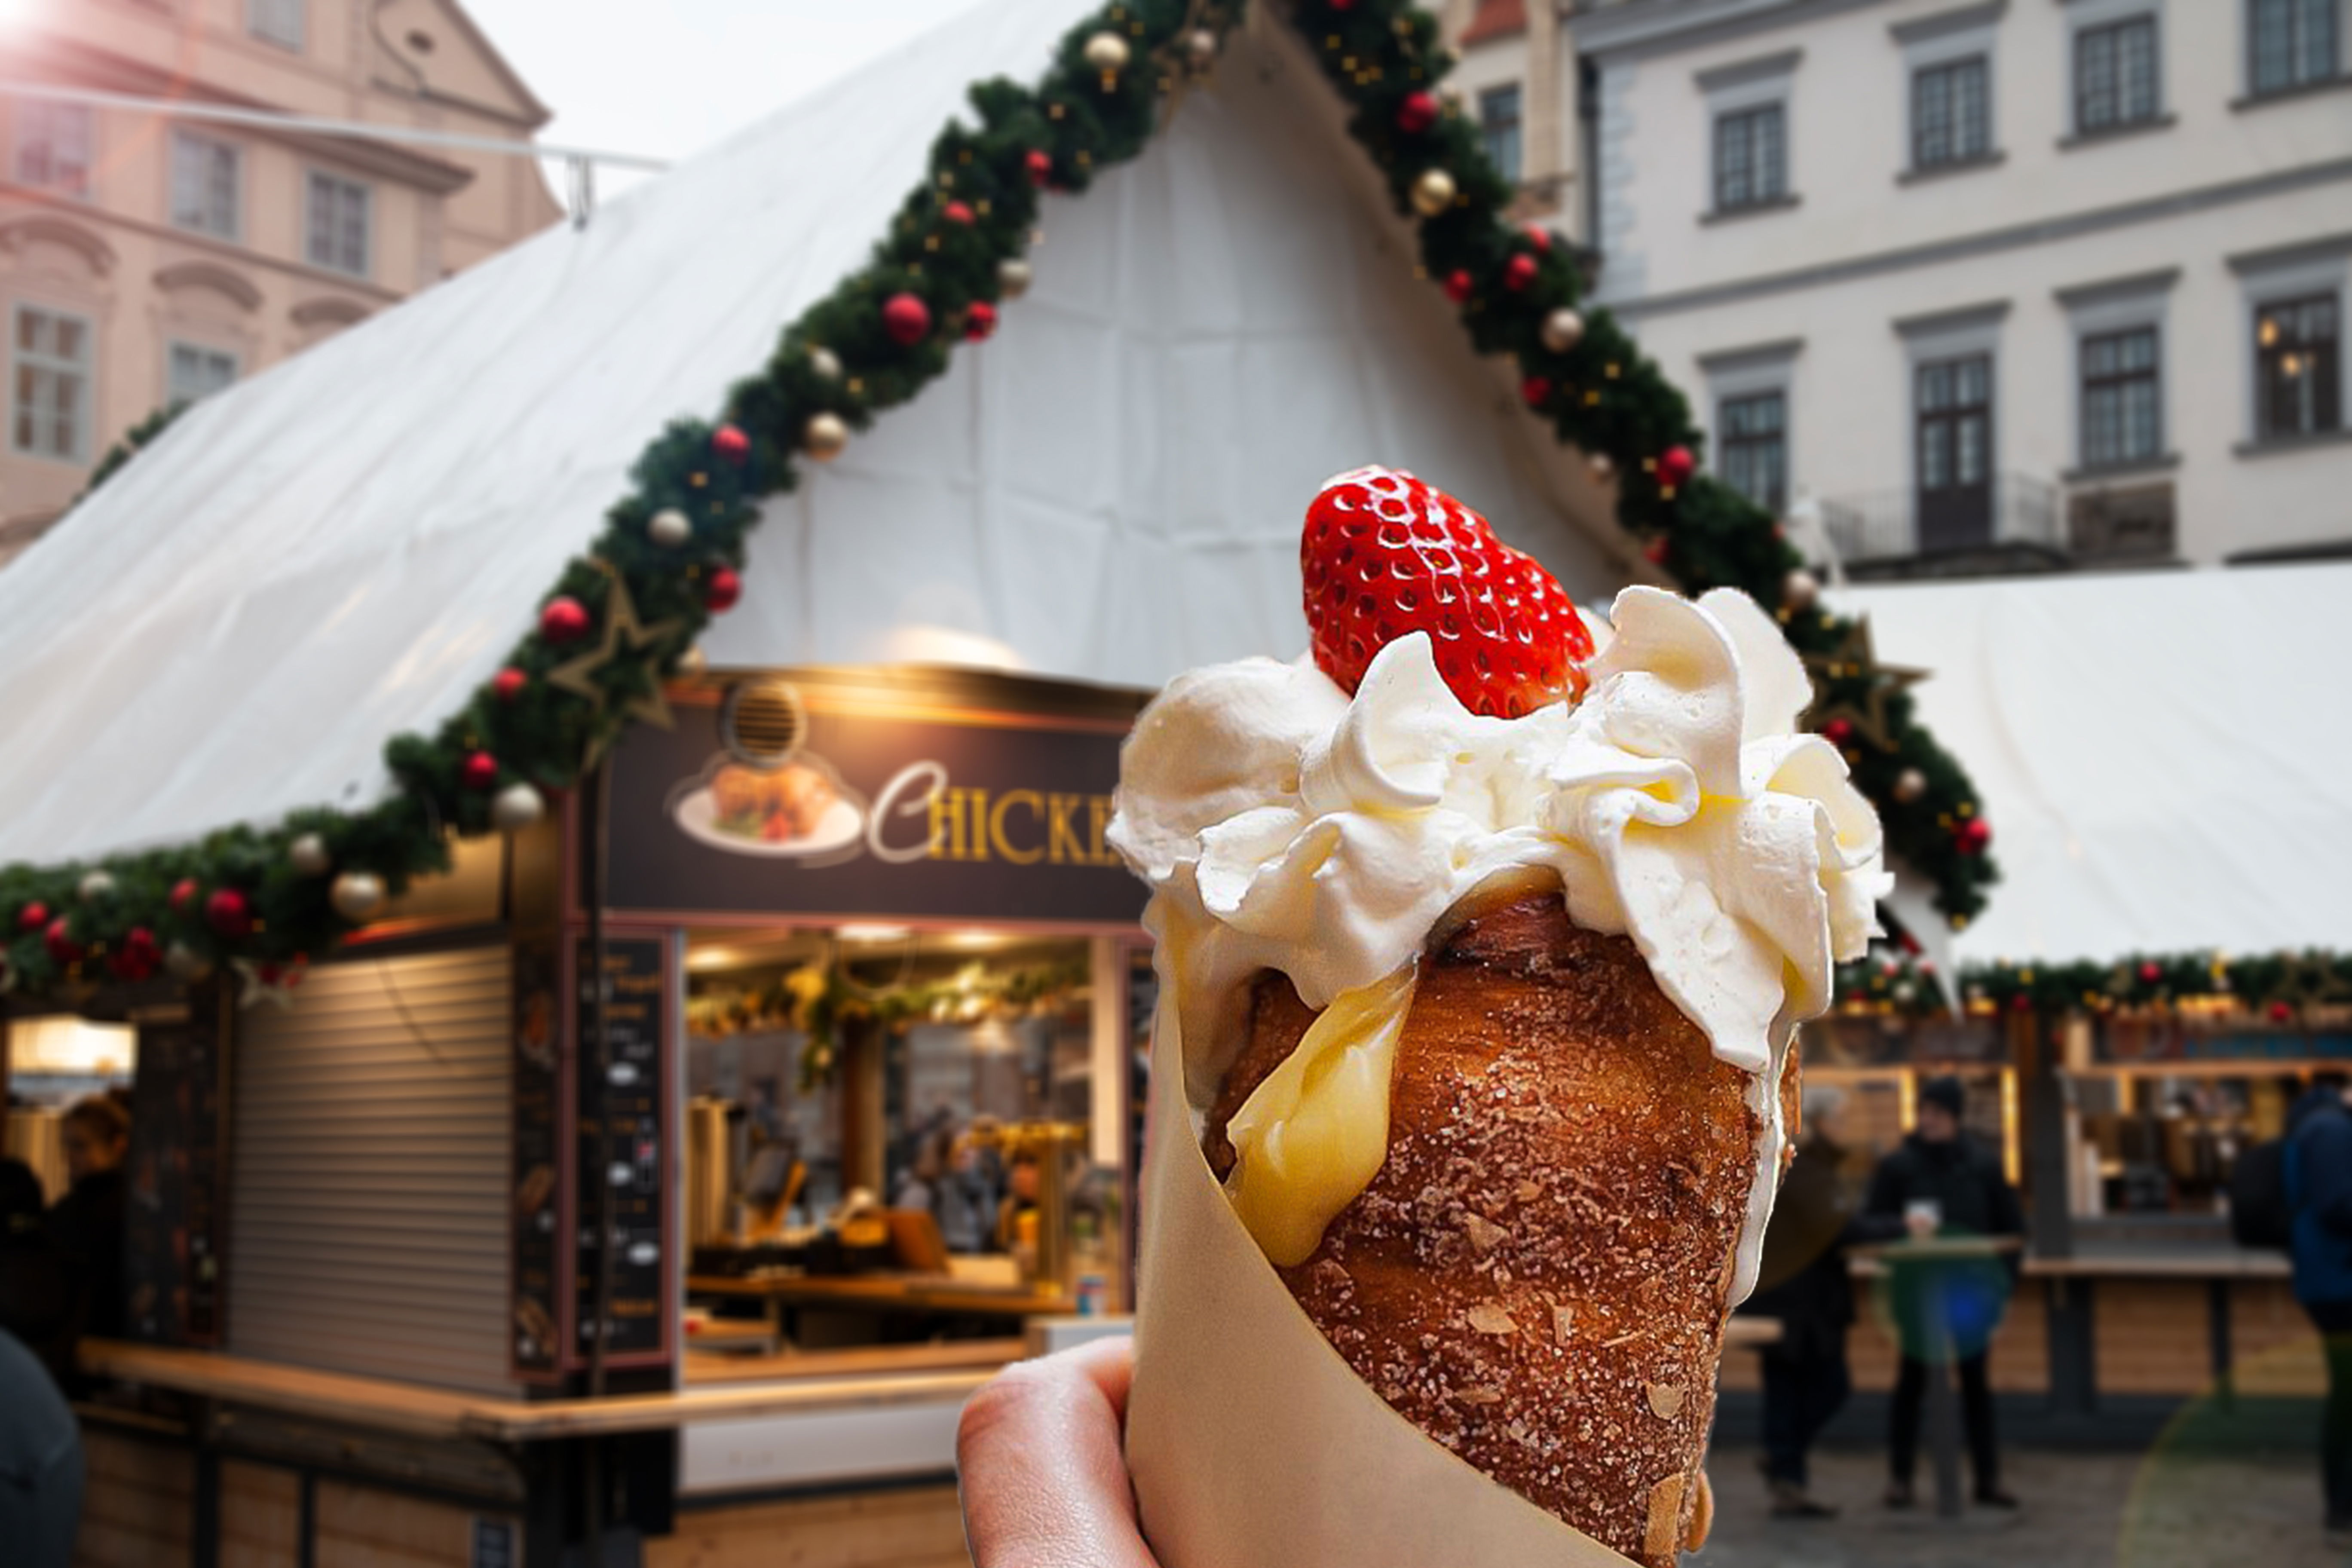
368,1215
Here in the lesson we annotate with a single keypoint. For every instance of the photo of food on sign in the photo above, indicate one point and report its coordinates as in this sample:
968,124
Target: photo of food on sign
799,809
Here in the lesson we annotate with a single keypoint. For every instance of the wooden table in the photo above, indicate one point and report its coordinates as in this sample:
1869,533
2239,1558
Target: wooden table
1942,1412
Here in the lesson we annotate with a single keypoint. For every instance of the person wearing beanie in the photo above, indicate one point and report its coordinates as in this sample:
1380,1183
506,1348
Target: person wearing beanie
1940,1182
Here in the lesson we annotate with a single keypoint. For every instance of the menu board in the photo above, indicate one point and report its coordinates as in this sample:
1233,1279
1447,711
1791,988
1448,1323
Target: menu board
172,1221
538,1338
621,1150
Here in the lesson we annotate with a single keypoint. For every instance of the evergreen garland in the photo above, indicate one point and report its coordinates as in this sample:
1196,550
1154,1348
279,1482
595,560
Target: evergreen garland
935,278
2283,987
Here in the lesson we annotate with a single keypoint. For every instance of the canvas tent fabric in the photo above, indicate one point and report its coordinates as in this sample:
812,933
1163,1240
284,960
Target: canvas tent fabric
2165,758
343,549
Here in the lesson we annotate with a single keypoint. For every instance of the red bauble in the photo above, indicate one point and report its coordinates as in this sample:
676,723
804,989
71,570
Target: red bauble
907,318
1520,271
2020,1003
564,620
58,939
1657,549
721,589
138,955
33,916
979,321
956,212
229,914
1675,465
1417,113
509,683
1972,836
2150,972
1458,286
1536,390
1040,164
1838,733
2280,1013
479,771
1538,236
183,895
730,443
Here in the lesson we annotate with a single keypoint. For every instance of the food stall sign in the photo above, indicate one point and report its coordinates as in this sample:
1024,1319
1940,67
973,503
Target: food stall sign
935,812
2163,1040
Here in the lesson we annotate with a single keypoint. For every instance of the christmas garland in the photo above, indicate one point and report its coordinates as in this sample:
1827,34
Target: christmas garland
821,999
2284,987
624,615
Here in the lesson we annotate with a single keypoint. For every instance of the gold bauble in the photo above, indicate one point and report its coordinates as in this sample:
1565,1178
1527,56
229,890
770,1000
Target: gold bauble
1013,277
1107,52
1433,193
1562,330
824,436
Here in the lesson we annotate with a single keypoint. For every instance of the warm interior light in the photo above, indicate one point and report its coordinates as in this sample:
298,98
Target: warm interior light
711,958
72,1048
946,645
863,932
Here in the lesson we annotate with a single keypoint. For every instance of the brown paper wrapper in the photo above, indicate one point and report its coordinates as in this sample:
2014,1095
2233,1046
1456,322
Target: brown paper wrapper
1252,1444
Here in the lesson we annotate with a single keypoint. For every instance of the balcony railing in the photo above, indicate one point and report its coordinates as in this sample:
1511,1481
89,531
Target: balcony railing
2019,515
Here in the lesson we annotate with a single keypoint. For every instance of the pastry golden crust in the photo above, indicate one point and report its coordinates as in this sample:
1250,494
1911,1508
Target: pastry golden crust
1538,1277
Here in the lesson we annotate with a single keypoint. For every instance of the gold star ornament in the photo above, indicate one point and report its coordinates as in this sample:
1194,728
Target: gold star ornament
1854,660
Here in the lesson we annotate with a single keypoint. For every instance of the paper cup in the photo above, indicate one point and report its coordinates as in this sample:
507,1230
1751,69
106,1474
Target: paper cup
1252,1444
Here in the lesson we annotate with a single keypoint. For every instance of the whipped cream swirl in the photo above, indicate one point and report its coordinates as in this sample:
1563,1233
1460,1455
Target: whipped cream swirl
1284,825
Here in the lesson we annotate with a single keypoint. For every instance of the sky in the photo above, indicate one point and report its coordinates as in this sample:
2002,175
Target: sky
705,69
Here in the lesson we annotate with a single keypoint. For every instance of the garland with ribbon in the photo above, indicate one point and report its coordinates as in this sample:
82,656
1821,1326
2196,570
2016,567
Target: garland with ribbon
624,615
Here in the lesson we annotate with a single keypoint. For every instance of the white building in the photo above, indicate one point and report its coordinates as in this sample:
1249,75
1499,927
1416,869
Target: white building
1999,285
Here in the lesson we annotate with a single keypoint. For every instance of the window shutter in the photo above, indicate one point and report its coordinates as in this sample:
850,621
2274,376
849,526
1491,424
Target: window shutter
368,1194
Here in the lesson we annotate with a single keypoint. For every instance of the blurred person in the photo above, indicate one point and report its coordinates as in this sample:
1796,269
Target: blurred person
40,1462
2319,1198
87,1223
1803,1282
1041,1464
1024,1180
1939,1182
37,1289
937,1182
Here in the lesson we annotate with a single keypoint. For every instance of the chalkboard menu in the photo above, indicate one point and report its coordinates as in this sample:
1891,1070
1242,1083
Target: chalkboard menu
172,1221
621,1150
538,1171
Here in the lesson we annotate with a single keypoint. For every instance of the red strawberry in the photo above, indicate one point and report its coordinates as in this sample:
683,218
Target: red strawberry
1385,556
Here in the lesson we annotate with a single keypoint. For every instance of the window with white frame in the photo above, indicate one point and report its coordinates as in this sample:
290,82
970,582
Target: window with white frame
277,21
2291,44
193,371
55,145
2117,79
2294,298
1947,58
1751,389
2118,327
1748,110
50,356
1499,128
207,185
337,224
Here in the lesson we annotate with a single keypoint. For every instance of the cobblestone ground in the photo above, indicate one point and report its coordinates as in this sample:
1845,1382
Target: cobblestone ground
2080,1510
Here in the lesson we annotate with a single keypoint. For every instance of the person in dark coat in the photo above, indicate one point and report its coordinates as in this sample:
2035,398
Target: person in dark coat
1803,1282
1939,1182
37,1289
40,1463
2319,1197
86,1225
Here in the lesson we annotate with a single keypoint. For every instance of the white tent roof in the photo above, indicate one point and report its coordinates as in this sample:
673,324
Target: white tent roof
343,549
2166,759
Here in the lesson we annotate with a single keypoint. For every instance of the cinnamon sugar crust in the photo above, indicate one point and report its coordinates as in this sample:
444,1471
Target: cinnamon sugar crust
1538,1277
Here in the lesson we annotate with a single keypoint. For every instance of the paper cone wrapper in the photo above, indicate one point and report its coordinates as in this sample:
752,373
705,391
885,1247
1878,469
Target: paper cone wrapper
1252,1444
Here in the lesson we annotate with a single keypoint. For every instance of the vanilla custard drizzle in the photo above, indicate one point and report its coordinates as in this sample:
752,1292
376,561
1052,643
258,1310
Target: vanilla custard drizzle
1312,1136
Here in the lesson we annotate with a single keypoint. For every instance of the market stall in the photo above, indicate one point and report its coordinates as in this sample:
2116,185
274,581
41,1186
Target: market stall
596,788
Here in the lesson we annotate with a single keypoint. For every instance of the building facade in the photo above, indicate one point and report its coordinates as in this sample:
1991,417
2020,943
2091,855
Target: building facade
1994,286
1515,76
146,259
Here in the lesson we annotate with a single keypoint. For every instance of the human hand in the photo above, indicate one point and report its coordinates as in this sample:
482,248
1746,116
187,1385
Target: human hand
1042,1476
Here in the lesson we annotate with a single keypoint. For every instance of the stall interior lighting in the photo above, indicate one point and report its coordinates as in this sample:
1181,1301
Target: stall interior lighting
72,1048
865,933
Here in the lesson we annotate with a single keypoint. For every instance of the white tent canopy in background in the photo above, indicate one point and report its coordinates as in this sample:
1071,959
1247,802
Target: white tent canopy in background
343,549
2166,759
